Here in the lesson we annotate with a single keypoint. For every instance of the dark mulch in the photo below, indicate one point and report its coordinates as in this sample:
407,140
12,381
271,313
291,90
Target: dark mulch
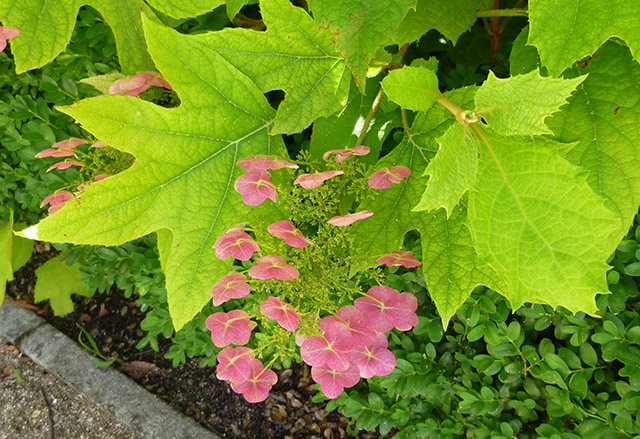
113,322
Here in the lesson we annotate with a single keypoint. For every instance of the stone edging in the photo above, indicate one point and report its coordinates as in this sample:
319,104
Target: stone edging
59,355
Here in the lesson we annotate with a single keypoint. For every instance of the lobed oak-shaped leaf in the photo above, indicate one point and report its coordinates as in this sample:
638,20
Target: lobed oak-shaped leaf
535,220
293,55
182,182
568,30
603,117
360,27
46,26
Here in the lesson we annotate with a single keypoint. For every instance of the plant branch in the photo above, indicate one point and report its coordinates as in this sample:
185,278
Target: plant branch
503,13
367,121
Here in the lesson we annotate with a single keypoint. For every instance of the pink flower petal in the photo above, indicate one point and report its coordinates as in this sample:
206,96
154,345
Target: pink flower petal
342,154
399,258
273,267
281,312
375,359
322,350
237,244
258,384
131,86
8,32
255,187
346,220
53,152
64,165
384,308
288,232
264,163
99,144
70,143
332,382
230,327
310,181
232,286
101,177
383,178
233,363
56,198
349,317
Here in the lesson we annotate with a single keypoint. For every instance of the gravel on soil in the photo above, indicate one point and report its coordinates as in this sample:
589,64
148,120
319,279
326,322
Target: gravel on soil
37,405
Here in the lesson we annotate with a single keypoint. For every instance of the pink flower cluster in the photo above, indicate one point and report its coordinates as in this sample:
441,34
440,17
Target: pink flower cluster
65,148
353,345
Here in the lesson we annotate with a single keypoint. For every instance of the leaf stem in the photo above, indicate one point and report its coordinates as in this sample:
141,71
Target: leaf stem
452,107
503,13
367,121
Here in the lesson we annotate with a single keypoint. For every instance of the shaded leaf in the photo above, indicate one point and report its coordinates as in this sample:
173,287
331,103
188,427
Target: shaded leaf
57,282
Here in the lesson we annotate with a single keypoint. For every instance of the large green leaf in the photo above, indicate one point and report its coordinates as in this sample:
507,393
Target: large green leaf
535,220
451,18
568,30
185,8
46,26
450,266
185,166
519,105
360,27
57,282
603,116
293,55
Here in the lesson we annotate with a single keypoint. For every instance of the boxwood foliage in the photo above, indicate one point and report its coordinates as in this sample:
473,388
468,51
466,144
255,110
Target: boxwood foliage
535,373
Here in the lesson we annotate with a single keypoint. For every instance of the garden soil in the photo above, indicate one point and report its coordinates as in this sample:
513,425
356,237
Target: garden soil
113,322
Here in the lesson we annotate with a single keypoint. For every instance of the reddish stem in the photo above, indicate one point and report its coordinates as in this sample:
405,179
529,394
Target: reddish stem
495,35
